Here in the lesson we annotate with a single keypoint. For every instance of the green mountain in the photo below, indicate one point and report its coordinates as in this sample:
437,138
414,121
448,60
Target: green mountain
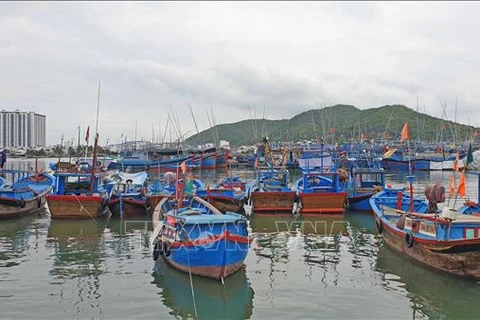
339,123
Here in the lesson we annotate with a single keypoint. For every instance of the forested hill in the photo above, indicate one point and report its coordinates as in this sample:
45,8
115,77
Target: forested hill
339,123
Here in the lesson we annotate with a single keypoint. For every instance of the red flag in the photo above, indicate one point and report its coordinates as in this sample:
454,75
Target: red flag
405,132
451,189
461,185
455,163
255,164
87,135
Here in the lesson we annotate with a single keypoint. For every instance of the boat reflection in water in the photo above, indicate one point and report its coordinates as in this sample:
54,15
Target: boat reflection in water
14,238
78,262
232,300
77,246
433,295
281,241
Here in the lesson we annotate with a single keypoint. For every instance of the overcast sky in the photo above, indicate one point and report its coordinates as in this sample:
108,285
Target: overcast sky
233,59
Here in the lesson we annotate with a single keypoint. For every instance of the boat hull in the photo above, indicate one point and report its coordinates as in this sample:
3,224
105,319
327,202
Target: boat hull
323,202
272,201
226,204
75,206
359,202
13,208
215,260
129,207
461,258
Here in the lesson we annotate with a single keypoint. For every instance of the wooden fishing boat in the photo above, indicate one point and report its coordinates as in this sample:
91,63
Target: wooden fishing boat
320,192
195,237
129,195
26,194
76,196
228,195
78,193
271,193
446,240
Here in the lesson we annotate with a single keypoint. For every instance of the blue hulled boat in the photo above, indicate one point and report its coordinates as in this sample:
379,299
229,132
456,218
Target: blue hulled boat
195,237
366,177
26,193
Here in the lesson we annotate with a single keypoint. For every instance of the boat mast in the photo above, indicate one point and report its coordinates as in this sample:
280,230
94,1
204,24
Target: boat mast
95,146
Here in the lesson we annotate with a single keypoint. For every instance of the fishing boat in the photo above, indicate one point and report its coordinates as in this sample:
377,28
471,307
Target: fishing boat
364,184
129,195
320,192
445,240
270,192
78,195
26,194
78,192
366,177
228,195
195,237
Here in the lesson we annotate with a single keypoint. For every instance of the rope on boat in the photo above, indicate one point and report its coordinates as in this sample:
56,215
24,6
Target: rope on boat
82,206
191,285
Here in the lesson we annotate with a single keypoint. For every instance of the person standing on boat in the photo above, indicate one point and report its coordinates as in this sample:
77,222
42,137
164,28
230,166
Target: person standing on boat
3,158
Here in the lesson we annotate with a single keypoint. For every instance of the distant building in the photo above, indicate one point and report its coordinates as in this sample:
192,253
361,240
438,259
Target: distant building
22,129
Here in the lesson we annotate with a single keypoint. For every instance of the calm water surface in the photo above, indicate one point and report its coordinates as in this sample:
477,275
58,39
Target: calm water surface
328,268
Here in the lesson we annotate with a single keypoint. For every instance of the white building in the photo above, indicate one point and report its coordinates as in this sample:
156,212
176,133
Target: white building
22,129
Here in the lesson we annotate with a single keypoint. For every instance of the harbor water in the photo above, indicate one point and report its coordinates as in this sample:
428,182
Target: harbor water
333,267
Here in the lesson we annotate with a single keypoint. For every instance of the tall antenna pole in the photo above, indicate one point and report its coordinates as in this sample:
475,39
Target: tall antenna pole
135,133
78,144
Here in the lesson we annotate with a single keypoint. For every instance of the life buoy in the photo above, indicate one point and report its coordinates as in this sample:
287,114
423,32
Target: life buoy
156,251
409,239
379,225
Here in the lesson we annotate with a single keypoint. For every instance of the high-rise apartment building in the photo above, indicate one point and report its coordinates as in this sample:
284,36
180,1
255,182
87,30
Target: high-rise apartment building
22,129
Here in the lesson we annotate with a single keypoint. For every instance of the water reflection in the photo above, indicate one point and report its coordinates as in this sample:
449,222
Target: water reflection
14,236
79,255
129,236
432,294
233,300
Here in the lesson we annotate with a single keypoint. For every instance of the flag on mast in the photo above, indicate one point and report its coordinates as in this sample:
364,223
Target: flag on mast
87,135
470,154
461,185
405,132
451,189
